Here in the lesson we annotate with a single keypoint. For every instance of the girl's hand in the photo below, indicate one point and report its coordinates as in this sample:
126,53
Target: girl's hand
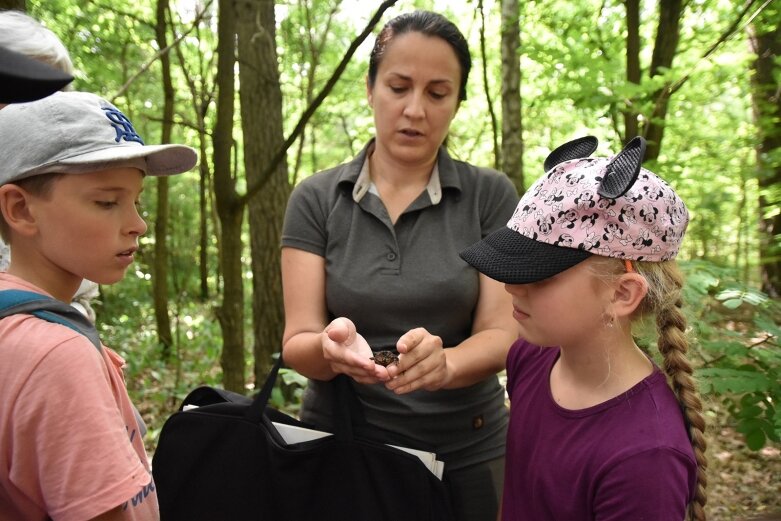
422,363
347,352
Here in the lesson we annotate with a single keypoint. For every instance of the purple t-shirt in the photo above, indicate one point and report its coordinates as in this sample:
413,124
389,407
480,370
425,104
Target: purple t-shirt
626,458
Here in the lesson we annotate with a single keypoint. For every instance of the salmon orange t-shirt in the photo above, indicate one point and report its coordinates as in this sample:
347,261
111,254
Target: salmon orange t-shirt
70,444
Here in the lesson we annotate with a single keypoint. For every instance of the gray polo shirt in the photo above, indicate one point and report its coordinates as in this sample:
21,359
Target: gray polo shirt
390,278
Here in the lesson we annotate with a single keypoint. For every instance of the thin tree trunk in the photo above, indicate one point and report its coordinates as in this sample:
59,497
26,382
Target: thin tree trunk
231,312
160,265
202,98
315,49
765,39
633,74
261,118
512,119
487,89
665,47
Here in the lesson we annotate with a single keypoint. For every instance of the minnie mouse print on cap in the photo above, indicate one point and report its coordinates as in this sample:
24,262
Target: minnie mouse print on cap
584,206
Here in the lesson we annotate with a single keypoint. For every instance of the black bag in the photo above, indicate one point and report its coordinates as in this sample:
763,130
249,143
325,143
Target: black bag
226,461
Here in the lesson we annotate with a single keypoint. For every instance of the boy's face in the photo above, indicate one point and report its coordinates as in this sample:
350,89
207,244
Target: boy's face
89,225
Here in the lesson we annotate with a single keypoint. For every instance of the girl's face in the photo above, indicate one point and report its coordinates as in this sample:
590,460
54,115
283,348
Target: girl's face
415,97
564,310
88,227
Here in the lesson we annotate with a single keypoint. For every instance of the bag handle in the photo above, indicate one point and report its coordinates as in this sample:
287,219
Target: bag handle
258,407
346,407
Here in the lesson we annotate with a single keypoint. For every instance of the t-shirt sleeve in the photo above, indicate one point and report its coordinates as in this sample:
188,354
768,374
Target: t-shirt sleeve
502,199
73,455
653,485
304,225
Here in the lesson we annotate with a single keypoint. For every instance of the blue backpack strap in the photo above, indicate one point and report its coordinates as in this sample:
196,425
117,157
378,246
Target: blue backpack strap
13,301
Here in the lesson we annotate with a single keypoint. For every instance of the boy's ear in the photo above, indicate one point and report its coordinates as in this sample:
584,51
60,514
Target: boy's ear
630,290
15,206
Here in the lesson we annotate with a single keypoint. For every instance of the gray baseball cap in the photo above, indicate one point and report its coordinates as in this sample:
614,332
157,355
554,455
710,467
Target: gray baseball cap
79,132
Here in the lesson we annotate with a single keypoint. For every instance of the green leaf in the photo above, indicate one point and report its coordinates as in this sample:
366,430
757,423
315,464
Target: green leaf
725,380
755,440
732,303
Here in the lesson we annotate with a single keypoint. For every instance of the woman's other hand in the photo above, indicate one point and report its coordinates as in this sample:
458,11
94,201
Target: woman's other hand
422,363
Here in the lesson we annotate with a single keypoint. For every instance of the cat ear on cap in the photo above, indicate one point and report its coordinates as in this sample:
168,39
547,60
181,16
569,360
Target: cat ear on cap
575,149
621,173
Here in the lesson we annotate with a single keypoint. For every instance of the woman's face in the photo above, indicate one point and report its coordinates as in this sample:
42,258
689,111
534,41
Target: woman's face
415,97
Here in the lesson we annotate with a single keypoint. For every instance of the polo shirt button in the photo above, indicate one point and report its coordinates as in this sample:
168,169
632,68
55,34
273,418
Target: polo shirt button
391,256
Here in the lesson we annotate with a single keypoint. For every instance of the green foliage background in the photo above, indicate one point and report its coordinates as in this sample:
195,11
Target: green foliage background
573,67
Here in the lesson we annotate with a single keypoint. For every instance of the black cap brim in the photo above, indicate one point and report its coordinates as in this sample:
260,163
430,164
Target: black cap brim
509,257
24,79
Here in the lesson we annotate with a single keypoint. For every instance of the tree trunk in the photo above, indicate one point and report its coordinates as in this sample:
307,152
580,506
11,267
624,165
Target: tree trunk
633,74
19,5
203,214
765,39
665,46
202,97
160,265
512,121
231,312
261,117
487,89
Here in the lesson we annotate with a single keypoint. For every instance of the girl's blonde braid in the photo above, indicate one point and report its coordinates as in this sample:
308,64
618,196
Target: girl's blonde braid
665,282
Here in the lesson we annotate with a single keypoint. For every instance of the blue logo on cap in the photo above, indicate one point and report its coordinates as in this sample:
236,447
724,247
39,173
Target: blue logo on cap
122,125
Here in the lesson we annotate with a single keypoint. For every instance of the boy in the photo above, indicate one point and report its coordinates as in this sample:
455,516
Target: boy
72,173
25,35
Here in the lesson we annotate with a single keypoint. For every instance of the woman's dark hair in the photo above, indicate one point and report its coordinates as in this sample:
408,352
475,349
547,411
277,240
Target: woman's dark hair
428,24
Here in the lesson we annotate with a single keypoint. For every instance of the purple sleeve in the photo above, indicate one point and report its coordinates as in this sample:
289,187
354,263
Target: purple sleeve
653,485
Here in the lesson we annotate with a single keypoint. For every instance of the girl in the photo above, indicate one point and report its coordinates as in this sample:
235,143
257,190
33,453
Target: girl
595,431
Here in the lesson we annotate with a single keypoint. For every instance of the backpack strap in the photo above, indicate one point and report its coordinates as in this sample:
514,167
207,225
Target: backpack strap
14,301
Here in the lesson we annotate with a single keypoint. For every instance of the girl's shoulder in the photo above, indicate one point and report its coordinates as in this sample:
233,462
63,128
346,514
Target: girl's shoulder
525,357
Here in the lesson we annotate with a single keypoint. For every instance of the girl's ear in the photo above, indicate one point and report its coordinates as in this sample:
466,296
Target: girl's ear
630,290
15,206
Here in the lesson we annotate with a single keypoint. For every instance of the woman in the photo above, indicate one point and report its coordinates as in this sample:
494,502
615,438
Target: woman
370,263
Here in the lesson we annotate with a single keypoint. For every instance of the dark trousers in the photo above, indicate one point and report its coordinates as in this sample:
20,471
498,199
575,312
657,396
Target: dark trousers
476,491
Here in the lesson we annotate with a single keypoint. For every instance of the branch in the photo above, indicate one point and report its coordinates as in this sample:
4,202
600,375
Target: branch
310,110
729,33
157,56
497,150
132,16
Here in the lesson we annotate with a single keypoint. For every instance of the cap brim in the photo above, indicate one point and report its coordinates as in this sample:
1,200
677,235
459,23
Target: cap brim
23,79
161,160
509,257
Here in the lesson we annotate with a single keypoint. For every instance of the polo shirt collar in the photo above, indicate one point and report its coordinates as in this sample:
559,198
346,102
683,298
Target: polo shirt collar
442,176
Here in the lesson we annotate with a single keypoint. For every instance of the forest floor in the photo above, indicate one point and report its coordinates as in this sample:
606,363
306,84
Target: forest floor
742,484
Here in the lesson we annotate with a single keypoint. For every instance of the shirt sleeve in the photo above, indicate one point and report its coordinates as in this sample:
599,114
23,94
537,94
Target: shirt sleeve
304,225
500,203
653,485
72,454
